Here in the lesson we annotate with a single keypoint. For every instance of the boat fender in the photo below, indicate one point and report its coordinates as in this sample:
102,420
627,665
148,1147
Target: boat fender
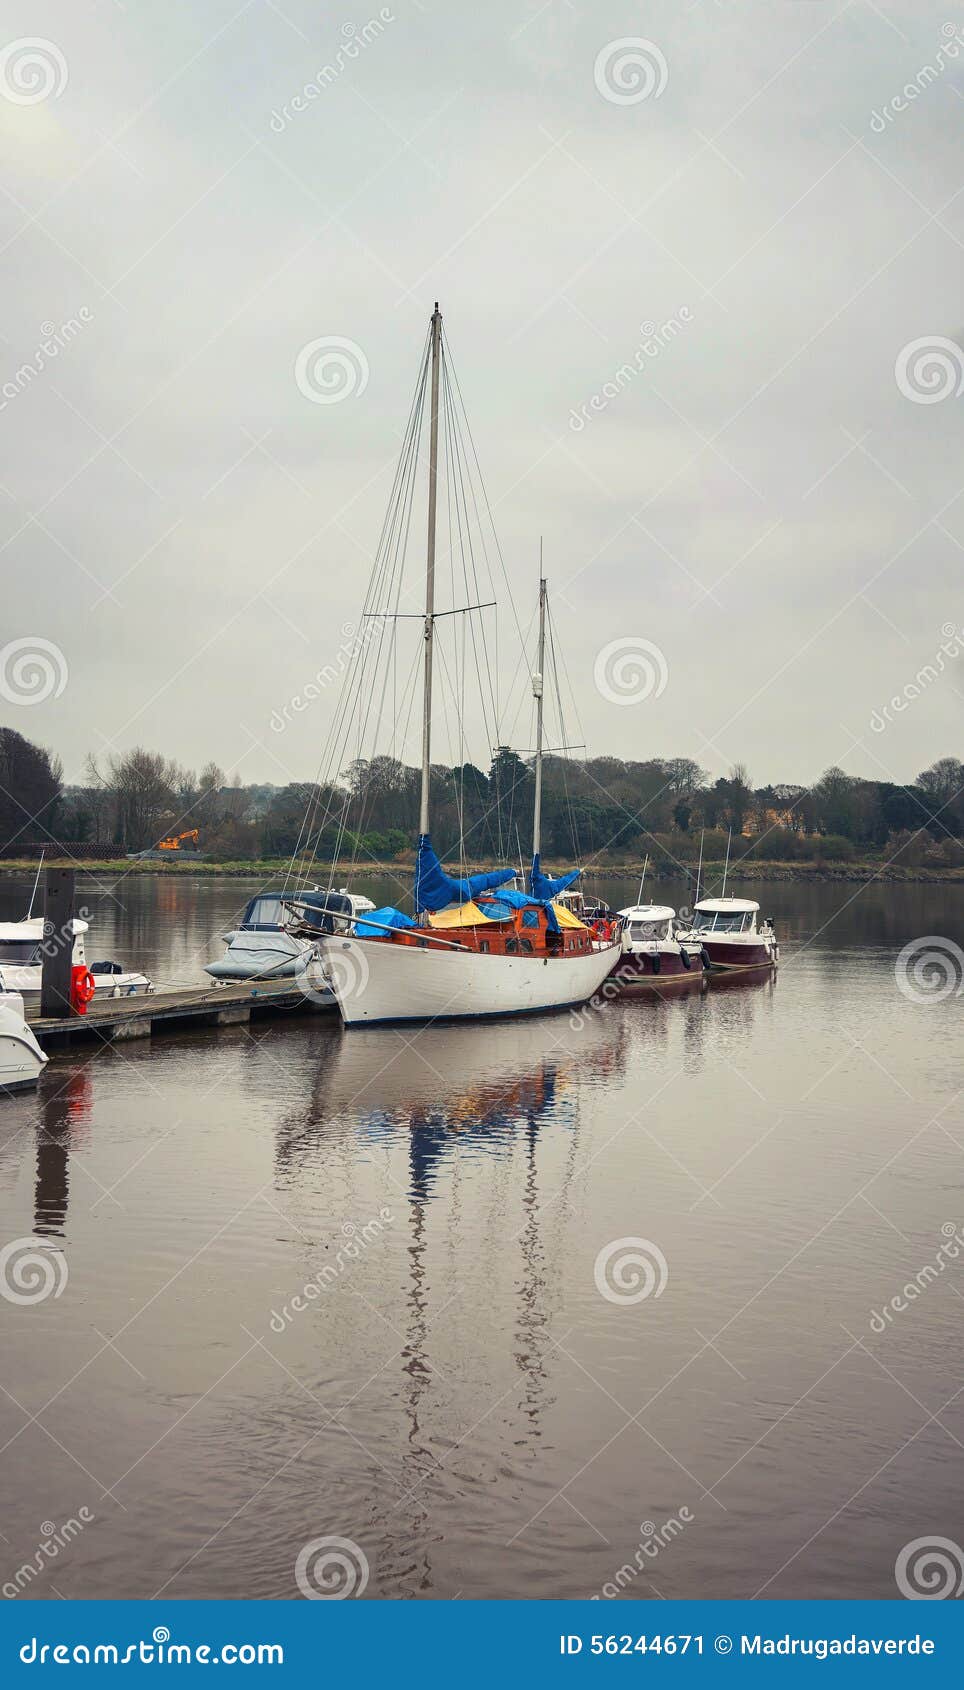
657,962
705,957
685,957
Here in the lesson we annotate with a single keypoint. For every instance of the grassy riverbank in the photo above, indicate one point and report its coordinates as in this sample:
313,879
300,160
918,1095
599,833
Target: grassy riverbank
276,868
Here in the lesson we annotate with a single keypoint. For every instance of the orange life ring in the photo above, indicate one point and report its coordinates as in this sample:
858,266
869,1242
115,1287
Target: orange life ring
82,988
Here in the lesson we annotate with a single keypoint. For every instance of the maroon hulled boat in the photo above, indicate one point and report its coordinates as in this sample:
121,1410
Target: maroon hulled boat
732,935
653,956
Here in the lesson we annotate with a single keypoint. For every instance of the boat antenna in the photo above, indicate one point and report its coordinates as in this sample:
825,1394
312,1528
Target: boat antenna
642,878
537,692
36,883
423,817
726,865
699,866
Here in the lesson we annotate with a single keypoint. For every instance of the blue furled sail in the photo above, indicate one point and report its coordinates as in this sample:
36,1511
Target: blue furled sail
544,887
373,924
435,890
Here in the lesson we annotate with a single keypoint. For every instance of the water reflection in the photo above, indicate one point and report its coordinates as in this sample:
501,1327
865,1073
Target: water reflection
63,1126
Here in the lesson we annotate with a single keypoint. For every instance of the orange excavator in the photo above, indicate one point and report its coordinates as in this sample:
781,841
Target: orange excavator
174,841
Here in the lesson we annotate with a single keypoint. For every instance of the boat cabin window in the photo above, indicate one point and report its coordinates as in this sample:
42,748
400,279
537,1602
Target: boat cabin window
263,912
24,951
527,947
511,947
641,931
719,921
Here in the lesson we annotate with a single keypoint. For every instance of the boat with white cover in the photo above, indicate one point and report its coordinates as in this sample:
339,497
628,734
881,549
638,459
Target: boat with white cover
263,946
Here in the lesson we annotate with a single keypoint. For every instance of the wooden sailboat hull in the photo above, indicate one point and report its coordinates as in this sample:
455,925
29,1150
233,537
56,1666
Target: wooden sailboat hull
376,981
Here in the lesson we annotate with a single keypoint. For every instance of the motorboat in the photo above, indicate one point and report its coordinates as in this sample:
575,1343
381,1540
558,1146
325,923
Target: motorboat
263,946
732,934
21,962
21,1059
477,947
653,954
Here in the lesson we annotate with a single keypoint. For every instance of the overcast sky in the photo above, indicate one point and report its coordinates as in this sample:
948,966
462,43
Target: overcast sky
766,500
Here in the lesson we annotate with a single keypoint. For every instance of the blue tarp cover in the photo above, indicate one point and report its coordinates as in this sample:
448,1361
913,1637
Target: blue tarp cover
543,887
509,899
373,923
435,890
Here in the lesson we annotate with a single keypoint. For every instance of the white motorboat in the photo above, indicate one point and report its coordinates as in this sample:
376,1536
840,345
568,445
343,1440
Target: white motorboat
21,962
21,1059
653,953
732,935
263,947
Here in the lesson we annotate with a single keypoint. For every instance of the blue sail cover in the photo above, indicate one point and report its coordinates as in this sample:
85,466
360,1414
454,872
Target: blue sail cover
509,899
435,890
543,887
373,923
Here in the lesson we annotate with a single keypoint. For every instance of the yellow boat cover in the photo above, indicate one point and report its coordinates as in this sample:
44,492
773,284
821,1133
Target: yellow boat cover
566,918
465,915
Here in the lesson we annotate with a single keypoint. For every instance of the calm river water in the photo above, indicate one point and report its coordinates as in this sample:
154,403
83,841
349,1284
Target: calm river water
468,1395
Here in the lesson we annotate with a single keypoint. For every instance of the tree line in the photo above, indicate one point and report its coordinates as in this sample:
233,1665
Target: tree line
603,807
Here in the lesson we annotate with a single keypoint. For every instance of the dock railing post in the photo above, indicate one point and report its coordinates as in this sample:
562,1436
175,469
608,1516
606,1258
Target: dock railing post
58,942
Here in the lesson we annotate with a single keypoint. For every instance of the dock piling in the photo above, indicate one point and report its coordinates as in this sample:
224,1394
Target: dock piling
58,942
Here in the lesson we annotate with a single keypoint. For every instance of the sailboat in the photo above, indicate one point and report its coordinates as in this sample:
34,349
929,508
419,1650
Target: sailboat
476,946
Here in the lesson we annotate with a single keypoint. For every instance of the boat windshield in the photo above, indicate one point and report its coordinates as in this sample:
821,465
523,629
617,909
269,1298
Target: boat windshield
263,912
720,921
24,951
641,931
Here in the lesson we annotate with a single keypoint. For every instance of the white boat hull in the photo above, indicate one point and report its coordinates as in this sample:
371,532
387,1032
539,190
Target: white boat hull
21,1059
377,981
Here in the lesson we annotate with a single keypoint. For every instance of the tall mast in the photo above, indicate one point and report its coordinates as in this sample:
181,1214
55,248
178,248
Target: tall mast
537,691
430,575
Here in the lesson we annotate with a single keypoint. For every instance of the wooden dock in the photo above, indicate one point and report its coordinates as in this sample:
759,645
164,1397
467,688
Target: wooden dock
113,1019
